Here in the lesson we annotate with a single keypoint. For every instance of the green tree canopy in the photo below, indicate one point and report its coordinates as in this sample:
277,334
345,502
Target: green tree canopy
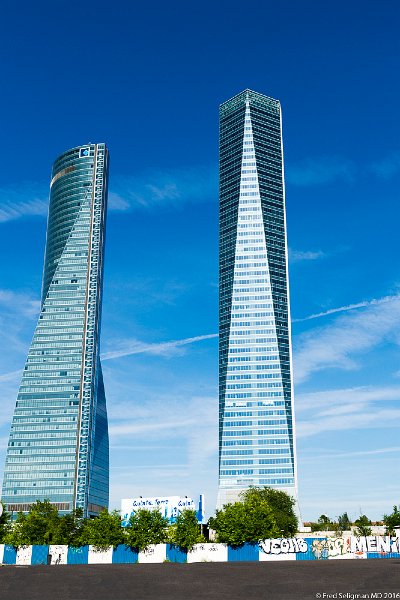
4,523
393,520
363,525
281,504
69,528
103,531
343,523
39,526
241,522
185,533
324,523
146,527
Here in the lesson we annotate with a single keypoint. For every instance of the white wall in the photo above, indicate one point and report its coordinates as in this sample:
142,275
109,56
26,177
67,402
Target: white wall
100,556
208,553
24,555
155,553
58,554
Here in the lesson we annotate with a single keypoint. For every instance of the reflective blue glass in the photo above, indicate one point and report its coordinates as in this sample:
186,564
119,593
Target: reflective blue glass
58,446
255,362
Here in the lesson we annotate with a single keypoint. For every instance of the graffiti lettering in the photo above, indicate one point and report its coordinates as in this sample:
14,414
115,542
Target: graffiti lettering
284,546
375,543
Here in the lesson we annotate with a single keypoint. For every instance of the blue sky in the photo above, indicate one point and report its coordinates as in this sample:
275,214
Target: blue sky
147,79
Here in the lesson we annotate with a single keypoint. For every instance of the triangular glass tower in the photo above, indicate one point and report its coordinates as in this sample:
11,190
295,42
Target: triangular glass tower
256,416
58,447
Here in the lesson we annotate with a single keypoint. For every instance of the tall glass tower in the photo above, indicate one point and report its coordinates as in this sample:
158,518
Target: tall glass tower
58,447
256,418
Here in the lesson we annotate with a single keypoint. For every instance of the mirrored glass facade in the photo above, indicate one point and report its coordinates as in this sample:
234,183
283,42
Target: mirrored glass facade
58,446
256,418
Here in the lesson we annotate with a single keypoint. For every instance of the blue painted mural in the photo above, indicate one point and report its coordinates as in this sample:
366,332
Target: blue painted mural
310,548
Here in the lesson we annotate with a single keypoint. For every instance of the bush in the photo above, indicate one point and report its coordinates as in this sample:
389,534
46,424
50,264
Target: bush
103,531
69,529
39,526
363,526
241,522
324,523
4,523
185,533
146,527
391,521
282,506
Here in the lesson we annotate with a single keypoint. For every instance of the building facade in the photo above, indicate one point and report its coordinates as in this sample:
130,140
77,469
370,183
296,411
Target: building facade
256,416
58,446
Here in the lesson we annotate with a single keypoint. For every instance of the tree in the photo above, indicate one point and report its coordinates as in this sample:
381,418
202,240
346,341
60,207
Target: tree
70,528
146,527
103,531
391,521
185,533
324,523
282,506
344,523
241,522
363,526
4,523
39,526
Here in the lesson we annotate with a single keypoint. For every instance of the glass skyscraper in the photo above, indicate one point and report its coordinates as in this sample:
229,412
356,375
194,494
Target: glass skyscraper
58,447
256,418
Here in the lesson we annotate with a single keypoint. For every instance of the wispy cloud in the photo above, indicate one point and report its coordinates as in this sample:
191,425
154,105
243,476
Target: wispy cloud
133,428
116,202
351,408
387,167
329,455
160,188
174,187
23,199
12,376
375,420
9,383
319,171
17,312
148,292
154,187
348,307
296,256
337,344
177,434
19,302
326,402
165,349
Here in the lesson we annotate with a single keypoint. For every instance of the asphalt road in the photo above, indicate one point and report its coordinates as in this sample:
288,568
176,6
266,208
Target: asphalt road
297,580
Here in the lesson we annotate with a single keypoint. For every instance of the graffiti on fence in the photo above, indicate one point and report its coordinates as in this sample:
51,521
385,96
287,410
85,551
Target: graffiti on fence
382,544
284,546
331,547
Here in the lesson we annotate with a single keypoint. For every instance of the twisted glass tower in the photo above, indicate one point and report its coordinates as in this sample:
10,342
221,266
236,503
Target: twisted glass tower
256,419
58,447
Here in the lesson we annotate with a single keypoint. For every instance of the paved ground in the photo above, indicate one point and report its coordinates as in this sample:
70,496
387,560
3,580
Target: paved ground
298,580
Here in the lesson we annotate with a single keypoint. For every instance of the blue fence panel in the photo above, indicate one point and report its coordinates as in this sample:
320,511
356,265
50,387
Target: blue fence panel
245,552
175,554
317,551
10,555
383,555
123,555
78,556
39,555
